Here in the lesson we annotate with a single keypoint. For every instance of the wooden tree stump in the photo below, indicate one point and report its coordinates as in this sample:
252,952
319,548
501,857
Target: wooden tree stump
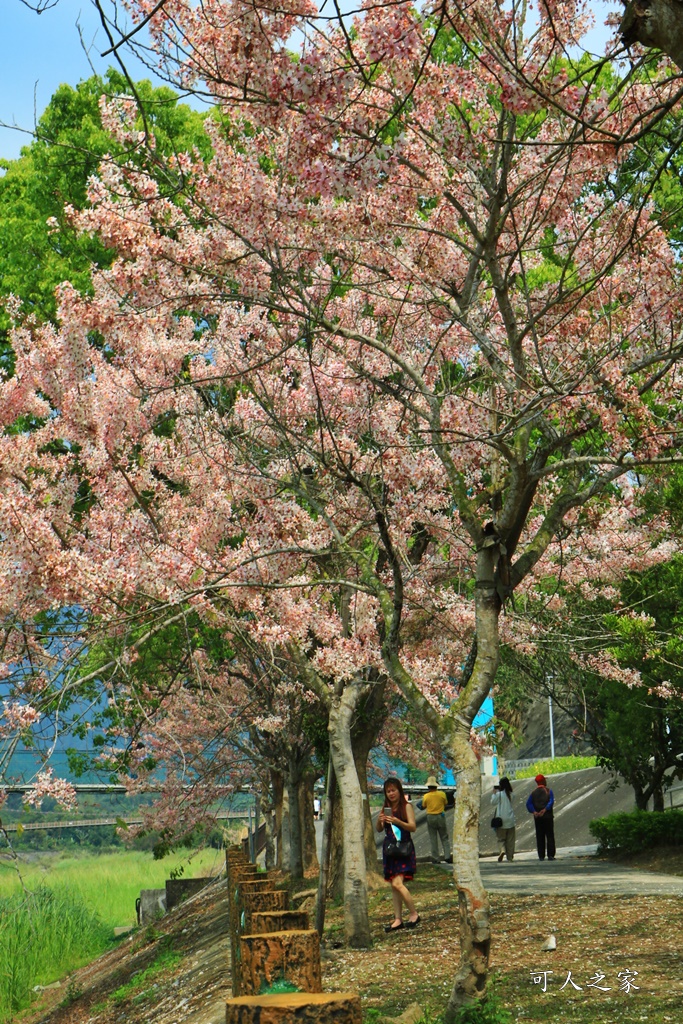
263,922
241,893
238,896
235,850
292,957
237,870
236,879
295,1008
235,855
256,883
268,900
238,873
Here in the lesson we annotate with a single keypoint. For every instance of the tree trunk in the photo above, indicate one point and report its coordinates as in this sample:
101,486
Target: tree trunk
278,803
306,814
655,23
475,928
296,863
356,921
641,798
267,810
366,726
330,801
473,902
335,875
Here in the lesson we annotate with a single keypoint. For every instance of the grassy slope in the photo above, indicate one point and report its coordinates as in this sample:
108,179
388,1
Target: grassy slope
604,934
91,895
109,882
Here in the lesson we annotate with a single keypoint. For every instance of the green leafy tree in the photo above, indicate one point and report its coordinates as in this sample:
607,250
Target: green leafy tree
39,248
636,731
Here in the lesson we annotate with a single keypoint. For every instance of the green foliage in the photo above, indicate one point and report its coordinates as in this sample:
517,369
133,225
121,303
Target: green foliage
52,173
73,992
42,935
650,641
165,657
108,883
556,765
278,987
640,830
653,171
135,990
638,735
488,1010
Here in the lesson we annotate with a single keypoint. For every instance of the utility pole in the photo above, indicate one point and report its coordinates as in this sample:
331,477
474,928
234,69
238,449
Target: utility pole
552,732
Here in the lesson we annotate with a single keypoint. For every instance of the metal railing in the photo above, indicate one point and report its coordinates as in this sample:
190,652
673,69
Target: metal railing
512,767
35,826
675,795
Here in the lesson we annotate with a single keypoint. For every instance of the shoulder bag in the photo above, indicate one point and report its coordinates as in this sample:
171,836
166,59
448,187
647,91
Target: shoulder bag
399,848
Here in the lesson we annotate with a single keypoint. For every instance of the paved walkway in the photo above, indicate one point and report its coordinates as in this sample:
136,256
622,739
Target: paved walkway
575,872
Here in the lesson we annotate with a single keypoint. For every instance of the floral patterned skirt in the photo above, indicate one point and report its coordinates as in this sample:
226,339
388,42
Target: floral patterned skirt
405,866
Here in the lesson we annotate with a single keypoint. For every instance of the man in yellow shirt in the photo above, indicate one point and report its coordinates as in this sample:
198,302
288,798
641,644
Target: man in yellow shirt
434,803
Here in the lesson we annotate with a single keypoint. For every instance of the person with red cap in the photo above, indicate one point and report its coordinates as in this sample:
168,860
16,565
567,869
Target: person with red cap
540,804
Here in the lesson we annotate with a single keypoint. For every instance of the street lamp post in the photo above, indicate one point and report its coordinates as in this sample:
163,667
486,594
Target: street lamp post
552,732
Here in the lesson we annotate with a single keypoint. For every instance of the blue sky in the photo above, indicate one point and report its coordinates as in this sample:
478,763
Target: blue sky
39,52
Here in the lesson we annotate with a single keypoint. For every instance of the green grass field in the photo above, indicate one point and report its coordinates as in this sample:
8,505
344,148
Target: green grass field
65,912
108,883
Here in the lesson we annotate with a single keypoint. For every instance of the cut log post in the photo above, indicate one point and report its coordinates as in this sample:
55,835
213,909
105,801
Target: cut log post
295,1008
256,884
289,957
235,855
238,897
263,922
241,889
235,878
268,900
237,870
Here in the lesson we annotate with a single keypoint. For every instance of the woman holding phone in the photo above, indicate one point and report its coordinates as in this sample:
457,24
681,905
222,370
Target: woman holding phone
397,818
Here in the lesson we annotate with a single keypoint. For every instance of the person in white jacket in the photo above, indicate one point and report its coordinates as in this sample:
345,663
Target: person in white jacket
505,833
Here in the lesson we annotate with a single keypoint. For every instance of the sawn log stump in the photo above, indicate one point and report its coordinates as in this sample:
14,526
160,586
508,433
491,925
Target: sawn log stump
263,922
268,900
295,1008
292,957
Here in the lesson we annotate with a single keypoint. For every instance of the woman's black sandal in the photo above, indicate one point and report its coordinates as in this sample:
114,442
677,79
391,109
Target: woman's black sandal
395,927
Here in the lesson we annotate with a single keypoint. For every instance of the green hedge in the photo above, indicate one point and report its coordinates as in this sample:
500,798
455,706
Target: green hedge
556,765
640,830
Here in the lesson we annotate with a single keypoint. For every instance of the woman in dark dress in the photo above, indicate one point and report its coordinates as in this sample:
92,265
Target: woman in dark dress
398,816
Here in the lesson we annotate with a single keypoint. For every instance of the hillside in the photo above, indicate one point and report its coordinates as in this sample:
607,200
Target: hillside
176,971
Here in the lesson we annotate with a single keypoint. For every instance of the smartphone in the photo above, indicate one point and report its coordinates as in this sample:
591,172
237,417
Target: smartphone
386,811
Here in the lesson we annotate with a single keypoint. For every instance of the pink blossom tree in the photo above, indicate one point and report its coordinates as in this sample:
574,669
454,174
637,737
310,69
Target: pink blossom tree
387,360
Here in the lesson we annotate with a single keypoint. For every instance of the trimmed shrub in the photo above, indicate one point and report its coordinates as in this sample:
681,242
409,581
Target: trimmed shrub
557,765
639,830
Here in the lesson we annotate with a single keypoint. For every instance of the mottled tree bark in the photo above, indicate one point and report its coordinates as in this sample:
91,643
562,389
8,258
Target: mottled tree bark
366,727
278,803
655,23
342,710
306,814
335,879
268,812
475,924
